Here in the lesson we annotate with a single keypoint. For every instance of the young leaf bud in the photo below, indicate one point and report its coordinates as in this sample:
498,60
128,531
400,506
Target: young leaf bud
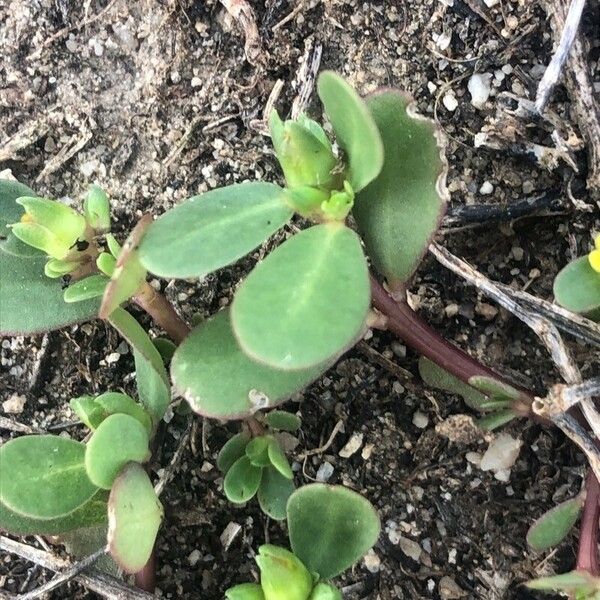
325,591
304,158
55,268
339,204
48,226
106,263
96,209
306,200
282,574
245,591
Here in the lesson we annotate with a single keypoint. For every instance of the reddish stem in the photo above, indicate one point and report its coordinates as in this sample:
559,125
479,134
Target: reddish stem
146,578
410,327
587,552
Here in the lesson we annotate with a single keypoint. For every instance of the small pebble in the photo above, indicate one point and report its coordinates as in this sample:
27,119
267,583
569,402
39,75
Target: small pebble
411,548
194,557
352,445
479,87
372,561
450,102
420,420
14,405
325,472
486,188
113,357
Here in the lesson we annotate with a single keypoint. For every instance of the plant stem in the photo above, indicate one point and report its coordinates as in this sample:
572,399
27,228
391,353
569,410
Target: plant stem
162,312
587,552
410,327
146,578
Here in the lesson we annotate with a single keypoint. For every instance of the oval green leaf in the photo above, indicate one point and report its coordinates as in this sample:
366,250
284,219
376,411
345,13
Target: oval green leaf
202,366
278,459
85,289
30,302
495,420
44,476
494,389
554,525
283,420
151,376
577,288
93,512
118,440
213,230
242,481
306,302
245,591
257,450
354,127
116,402
87,410
134,516
274,492
399,212
330,527
233,449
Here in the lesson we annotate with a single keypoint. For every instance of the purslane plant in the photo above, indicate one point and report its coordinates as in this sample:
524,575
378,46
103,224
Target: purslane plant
381,195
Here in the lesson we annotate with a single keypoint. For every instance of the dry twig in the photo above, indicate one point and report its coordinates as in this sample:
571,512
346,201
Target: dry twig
243,13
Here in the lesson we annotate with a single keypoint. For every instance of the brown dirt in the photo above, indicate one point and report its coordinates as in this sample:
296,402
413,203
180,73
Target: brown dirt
127,80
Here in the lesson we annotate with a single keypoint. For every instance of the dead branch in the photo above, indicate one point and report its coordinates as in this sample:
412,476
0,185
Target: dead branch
107,586
243,13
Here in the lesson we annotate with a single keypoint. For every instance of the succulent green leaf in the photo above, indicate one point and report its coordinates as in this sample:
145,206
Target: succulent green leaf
134,516
325,591
436,377
242,480
88,411
494,389
354,127
233,449
274,492
44,476
496,419
307,302
152,381
574,581
59,268
96,209
116,402
577,288
80,543
166,349
283,420
30,302
213,230
106,263
257,450
128,275
399,212
118,440
245,591
86,289
330,527
282,575
219,381
553,526
306,160
93,512
278,459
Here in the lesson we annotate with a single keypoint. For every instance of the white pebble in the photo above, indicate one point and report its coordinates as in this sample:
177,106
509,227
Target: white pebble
325,472
501,453
14,405
194,557
420,420
450,102
113,357
372,561
352,445
486,188
479,87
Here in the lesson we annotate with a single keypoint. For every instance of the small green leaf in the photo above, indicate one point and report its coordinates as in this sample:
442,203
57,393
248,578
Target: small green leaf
330,527
242,481
233,449
354,127
129,275
88,411
283,420
202,371
30,302
279,460
118,440
325,591
96,209
257,450
152,381
496,419
436,377
80,543
398,213
115,402
574,581
306,302
86,289
494,389
245,591
553,526
282,575
166,349
93,512
213,230
274,492
44,476
134,516
577,288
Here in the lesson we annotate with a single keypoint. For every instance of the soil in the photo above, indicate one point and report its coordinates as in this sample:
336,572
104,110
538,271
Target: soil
156,102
